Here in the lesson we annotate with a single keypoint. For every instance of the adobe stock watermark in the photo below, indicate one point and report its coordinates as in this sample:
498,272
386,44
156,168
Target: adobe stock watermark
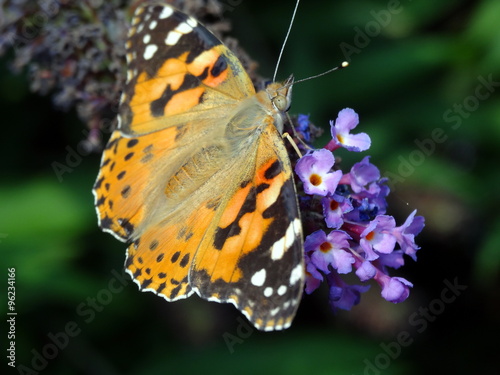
372,29
420,320
243,331
455,115
86,312
74,155
229,5
34,25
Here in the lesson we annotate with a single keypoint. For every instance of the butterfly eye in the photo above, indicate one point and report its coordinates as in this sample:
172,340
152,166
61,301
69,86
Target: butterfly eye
281,103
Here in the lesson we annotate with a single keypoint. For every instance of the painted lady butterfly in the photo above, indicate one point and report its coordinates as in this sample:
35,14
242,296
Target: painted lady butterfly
196,176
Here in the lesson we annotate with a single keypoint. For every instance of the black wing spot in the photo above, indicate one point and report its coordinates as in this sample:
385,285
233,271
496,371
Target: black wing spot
153,245
184,261
129,261
162,275
126,191
126,225
100,201
128,156
219,66
132,143
137,273
273,170
121,175
175,257
98,183
261,188
160,257
161,287
106,222
146,283
175,291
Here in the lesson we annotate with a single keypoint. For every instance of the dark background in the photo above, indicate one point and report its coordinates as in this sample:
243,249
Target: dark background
420,68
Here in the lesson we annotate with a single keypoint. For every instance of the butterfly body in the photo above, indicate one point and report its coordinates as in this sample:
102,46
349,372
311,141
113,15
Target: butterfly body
197,178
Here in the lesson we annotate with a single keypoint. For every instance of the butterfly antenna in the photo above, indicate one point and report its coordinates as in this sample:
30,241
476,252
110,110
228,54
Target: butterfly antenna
344,64
284,42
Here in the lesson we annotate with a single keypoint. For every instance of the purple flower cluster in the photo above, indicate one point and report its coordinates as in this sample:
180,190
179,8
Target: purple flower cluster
354,233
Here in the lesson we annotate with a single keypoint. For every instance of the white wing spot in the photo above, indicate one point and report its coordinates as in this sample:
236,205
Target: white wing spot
172,38
192,22
166,12
152,25
259,278
268,292
150,51
275,311
135,21
297,225
184,28
278,249
282,290
297,274
146,39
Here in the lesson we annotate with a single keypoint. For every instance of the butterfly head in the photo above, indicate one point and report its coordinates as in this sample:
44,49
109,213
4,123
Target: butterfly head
280,95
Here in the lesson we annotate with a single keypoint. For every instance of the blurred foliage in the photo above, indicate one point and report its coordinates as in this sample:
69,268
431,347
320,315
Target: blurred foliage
407,81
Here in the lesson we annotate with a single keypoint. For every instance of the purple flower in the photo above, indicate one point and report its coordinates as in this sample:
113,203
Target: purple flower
327,251
334,208
378,237
346,121
405,234
313,276
314,171
344,296
303,127
364,176
392,260
365,270
394,289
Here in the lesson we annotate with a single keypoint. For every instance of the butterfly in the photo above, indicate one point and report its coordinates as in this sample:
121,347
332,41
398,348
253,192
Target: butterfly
196,176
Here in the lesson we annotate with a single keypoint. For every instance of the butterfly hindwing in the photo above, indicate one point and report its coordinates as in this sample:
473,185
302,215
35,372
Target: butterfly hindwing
253,259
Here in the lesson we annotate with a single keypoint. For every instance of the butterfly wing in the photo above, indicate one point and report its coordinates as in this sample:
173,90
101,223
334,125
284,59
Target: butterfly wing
176,67
207,204
181,84
252,256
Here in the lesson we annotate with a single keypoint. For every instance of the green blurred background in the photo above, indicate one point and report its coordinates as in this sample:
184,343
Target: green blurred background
419,68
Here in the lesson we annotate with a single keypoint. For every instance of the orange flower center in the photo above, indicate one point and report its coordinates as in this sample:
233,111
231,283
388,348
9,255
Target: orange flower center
315,179
370,236
325,247
334,205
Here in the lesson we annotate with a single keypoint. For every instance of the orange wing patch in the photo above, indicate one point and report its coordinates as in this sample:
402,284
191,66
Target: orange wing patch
160,260
123,179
